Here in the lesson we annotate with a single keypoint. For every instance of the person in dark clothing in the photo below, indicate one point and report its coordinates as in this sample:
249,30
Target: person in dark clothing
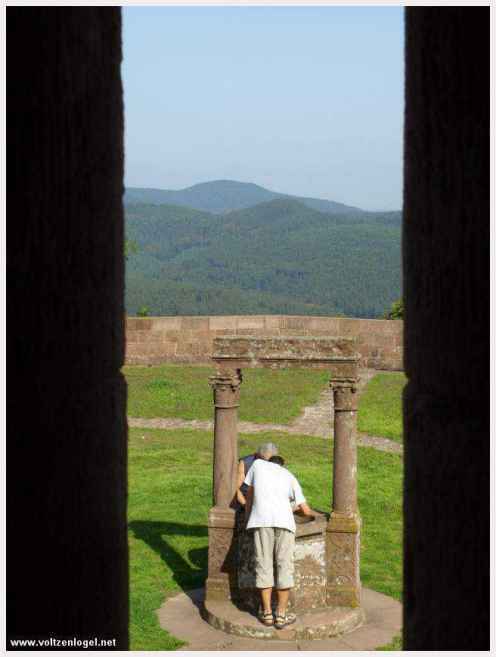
265,451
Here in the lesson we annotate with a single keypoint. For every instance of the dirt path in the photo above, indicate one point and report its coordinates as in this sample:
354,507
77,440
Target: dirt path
314,421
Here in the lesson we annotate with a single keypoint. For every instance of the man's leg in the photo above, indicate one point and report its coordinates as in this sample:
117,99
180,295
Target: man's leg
266,595
284,543
263,538
282,601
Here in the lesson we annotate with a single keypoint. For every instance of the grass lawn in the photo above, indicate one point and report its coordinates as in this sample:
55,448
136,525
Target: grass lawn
380,409
170,490
182,391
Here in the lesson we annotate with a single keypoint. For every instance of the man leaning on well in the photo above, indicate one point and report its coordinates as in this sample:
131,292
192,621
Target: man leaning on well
271,491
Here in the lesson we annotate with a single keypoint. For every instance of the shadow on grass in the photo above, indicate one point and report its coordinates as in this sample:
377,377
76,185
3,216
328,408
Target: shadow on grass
186,575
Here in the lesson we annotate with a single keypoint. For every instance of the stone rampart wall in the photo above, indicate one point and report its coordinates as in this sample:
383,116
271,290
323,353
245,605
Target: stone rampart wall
155,340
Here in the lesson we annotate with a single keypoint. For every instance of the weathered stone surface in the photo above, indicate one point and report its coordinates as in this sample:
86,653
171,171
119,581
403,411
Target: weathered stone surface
165,323
225,386
344,492
343,570
343,530
221,583
310,573
250,323
312,625
309,591
222,533
367,638
368,333
336,354
345,463
184,616
195,323
222,323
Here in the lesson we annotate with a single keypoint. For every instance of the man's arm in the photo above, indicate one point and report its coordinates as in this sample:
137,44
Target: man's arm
306,510
241,475
249,503
249,480
302,506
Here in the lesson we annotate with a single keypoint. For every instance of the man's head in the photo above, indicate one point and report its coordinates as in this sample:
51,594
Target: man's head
267,450
277,459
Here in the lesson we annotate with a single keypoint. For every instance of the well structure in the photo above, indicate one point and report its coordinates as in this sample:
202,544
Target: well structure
327,592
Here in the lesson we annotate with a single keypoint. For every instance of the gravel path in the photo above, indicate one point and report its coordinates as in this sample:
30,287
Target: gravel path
314,421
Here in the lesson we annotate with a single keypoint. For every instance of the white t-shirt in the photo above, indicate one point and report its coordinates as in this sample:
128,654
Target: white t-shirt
274,490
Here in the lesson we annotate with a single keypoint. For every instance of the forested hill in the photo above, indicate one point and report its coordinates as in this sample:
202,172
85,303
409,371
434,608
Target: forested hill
221,196
278,257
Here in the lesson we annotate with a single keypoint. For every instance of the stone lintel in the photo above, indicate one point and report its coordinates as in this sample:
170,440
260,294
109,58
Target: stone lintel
337,354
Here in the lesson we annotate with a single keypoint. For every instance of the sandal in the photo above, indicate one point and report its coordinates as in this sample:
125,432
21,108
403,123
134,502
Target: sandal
266,618
283,620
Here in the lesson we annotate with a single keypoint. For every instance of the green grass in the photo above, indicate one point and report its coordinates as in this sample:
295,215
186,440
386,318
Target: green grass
395,644
380,408
182,391
170,484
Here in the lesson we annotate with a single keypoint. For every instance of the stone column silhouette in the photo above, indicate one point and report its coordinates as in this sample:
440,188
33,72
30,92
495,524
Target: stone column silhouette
221,582
446,242
343,530
66,398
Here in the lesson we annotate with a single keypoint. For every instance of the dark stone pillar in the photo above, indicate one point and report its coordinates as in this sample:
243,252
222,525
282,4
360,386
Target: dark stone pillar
221,582
446,283
67,570
343,529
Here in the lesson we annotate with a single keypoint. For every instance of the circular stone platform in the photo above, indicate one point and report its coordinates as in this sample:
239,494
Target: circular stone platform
184,617
315,624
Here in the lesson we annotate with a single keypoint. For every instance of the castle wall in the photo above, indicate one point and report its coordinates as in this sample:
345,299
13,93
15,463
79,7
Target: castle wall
155,340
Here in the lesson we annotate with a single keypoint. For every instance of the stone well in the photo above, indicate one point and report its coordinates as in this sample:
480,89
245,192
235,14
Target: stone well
327,592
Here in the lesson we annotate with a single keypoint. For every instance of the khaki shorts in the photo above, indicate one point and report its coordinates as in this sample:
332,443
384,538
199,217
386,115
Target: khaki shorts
274,545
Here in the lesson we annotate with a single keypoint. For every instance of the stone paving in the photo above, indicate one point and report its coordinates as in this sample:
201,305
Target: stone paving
314,420
181,615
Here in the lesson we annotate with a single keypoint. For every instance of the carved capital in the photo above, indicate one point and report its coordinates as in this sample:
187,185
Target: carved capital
225,385
345,394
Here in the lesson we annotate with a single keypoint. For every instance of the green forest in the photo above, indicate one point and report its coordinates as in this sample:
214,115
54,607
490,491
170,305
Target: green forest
276,257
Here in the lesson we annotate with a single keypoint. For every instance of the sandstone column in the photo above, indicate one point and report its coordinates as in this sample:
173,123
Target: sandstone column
343,530
221,581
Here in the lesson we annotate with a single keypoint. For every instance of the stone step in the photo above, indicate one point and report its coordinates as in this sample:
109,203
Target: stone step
311,625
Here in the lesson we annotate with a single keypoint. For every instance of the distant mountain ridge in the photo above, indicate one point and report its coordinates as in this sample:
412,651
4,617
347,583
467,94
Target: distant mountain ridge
276,257
222,196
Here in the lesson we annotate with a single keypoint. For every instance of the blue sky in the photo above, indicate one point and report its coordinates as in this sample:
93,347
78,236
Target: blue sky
302,100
